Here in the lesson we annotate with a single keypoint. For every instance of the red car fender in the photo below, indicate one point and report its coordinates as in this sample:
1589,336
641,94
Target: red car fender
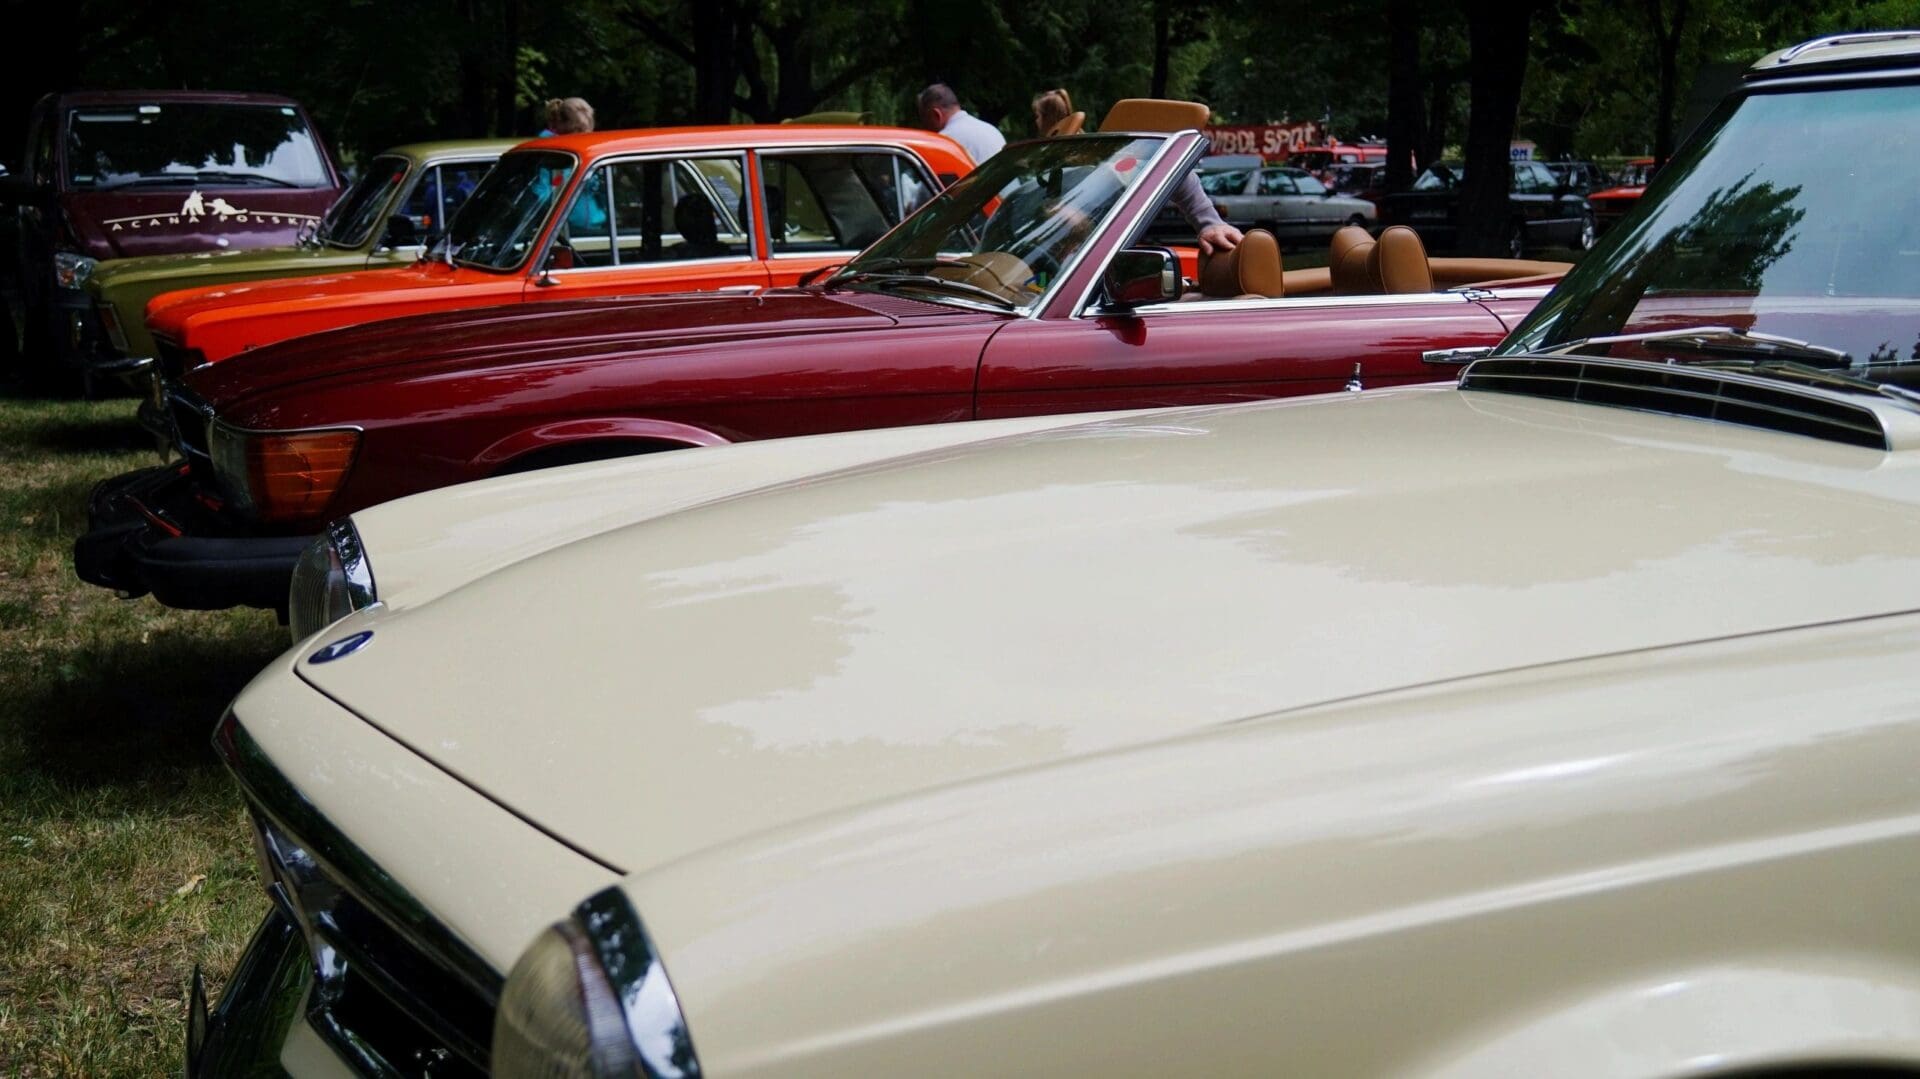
604,429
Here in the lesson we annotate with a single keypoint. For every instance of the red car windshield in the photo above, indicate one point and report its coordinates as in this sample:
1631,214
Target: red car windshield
1007,231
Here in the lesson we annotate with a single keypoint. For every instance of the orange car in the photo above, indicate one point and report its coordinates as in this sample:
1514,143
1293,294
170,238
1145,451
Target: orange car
604,214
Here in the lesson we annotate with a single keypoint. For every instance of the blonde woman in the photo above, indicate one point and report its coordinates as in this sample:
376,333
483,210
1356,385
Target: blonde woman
568,116
1052,113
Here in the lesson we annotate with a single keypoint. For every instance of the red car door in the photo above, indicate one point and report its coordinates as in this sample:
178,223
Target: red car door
1195,353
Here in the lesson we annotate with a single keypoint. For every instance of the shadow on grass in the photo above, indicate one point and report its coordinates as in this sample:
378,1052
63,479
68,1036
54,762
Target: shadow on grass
122,714
117,435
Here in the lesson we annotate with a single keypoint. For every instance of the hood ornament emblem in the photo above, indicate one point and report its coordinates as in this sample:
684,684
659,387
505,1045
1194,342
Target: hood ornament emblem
342,648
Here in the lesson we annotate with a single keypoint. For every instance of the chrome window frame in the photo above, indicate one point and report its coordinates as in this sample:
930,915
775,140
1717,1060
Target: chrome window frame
1148,206
543,238
895,152
371,241
574,194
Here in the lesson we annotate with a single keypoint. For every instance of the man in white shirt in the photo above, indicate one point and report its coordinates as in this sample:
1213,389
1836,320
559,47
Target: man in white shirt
941,111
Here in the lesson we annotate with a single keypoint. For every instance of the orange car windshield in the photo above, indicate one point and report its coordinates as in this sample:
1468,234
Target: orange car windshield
498,226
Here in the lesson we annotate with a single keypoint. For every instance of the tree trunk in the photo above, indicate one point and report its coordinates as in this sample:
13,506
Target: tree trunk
1433,140
1162,49
1666,37
714,70
506,85
1403,93
1497,46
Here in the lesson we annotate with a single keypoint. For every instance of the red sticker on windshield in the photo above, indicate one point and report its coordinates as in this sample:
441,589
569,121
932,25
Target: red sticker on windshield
1125,164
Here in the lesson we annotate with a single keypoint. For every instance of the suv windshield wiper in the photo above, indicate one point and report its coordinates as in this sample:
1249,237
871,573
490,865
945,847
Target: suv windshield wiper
1722,341
152,180
891,280
243,177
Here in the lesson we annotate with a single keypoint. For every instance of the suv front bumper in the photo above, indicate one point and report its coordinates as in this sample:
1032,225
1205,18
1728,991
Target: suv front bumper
150,532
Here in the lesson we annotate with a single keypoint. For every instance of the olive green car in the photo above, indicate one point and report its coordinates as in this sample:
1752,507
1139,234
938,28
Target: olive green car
402,196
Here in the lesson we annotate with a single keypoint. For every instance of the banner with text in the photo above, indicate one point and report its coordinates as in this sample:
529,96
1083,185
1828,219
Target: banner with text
1267,140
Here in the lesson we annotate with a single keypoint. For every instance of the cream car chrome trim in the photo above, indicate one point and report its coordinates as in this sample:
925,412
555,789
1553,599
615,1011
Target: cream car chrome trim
345,540
270,792
655,1023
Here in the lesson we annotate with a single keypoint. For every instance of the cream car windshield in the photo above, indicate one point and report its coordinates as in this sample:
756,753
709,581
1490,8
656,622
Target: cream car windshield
1001,236
1784,240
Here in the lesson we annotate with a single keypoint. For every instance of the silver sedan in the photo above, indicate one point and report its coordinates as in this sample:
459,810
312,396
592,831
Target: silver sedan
1290,203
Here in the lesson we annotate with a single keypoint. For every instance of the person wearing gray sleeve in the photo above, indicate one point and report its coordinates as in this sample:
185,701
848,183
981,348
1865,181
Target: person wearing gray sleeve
1194,205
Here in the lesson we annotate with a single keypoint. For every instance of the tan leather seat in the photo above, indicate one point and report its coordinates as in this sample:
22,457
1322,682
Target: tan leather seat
1251,270
1350,262
1398,261
1068,125
1155,114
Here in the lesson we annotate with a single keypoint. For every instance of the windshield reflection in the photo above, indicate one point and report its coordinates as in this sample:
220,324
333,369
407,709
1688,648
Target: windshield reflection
498,226
1004,234
1791,215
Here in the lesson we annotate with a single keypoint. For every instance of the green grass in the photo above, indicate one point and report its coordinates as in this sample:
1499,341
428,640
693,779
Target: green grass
124,856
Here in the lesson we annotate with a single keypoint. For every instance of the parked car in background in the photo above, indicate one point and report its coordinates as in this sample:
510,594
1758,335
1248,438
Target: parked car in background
1362,180
1542,212
404,196
1319,160
1561,723
1610,204
1045,306
1582,177
124,173
1288,202
605,214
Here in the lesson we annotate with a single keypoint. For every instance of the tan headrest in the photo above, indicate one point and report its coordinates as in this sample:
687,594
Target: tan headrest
1250,269
1345,239
1399,261
1155,114
1068,125
1351,269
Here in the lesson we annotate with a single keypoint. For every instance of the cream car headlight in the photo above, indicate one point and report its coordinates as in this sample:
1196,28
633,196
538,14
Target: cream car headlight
331,580
589,998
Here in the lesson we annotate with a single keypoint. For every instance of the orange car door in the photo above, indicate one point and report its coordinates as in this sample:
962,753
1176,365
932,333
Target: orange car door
826,205
653,224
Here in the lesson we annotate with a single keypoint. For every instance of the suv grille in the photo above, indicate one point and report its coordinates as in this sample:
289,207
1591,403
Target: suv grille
1681,391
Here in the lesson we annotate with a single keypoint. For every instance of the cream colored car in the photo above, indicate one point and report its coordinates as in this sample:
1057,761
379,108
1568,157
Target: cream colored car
1563,723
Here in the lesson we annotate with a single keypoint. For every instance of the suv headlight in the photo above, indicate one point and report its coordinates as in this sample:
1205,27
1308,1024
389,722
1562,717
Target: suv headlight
71,270
589,998
331,580
280,476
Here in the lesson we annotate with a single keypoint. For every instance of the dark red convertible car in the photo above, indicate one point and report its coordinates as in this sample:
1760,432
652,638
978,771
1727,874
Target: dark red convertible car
1016,291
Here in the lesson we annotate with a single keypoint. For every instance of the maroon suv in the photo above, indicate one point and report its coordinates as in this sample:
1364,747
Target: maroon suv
113,174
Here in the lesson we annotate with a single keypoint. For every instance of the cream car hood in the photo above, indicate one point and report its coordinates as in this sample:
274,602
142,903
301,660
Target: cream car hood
659,687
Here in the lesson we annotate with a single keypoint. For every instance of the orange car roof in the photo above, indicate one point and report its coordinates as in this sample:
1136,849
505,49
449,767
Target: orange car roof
639,140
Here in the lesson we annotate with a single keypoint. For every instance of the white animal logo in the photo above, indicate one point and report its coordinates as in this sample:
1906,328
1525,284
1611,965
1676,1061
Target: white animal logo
194,208
220,206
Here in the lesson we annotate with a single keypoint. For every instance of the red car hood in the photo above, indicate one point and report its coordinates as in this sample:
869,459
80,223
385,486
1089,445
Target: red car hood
610,330
158,221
